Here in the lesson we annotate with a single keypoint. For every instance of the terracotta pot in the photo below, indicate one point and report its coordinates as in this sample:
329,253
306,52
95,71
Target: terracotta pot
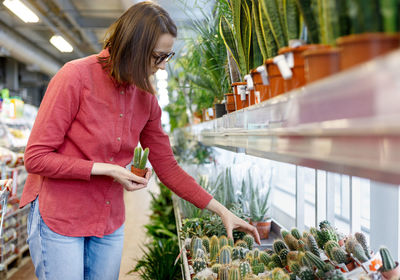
263,228
359,48
392,274
230,102
239,103
321,63
252,97
298,78
263,90
276,81
138,172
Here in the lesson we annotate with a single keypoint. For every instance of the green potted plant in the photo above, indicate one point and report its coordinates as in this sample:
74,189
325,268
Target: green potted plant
138,166
390,269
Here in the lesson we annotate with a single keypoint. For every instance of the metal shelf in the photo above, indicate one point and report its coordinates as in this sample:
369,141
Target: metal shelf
348,123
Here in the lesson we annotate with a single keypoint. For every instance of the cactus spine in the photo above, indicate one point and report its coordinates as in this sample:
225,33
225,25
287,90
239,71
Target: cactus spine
339,255
244,269
225,255
296,233
387,261
249,241
214,248
278,246
360,237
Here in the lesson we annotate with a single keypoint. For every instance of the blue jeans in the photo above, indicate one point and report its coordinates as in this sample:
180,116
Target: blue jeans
62,257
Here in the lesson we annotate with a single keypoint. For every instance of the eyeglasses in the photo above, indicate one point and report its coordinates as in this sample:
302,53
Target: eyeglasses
162,57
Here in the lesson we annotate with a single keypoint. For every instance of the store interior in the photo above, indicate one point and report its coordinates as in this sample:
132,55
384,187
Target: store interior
286,111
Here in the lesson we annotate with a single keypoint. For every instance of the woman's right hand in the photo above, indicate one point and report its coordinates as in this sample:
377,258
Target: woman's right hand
127,179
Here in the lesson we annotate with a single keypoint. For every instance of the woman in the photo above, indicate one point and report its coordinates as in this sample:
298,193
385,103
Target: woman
92,116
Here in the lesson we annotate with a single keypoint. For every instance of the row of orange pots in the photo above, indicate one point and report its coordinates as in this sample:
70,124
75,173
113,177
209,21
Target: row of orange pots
295,67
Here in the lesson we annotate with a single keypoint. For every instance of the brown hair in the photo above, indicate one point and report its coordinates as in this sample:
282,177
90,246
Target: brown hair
131,41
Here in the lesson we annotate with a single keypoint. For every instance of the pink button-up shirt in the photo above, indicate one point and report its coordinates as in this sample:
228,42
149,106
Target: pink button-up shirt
84,118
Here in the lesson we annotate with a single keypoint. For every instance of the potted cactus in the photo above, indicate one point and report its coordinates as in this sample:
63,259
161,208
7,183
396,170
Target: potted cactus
390,269
139,161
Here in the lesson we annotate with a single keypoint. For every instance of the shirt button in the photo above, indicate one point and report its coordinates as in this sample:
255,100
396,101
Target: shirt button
111,158
119,138
121,115
107,202
122,92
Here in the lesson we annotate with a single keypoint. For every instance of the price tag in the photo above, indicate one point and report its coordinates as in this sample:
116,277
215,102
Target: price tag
264,74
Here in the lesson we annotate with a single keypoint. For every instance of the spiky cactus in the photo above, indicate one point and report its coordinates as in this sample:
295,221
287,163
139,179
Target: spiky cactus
291,242
244,269
336,275
225,255
283,256
249,239
387,261
278,274
284,233
301,246
231,242
278,246
214,248
258,268
312,244
216,267
328,234
316,261
206,243
307,274
196,244
295,268
241,243
256,253
265,258
223,240
292,257
234,273
339,255
200,254
360,237
223,273
296,233
276,260
329,246
199,264
350,243
358,253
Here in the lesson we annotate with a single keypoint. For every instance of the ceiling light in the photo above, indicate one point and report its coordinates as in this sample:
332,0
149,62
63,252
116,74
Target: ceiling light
21,10
60,43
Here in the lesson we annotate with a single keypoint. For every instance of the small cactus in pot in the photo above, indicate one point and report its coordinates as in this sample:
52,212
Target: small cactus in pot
139,161
390,269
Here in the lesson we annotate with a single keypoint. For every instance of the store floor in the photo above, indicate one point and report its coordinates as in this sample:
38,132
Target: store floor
137,212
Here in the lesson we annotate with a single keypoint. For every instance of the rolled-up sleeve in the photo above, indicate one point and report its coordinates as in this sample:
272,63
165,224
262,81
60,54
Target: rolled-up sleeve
162,159
57,111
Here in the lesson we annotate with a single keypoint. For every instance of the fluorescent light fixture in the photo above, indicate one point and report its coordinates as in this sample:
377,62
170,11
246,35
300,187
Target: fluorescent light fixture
21,10
60,43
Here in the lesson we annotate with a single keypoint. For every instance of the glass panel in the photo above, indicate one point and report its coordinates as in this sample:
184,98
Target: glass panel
364,185
307,179
284,187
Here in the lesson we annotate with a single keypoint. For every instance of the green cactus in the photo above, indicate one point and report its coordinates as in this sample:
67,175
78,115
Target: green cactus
257,269
225,255
244,269
206,243
335,275
284,233
216,267
199,264
276,260
200,254
241,243
197,243
223,273
231,243
316,261
265,258
358,253
143,160
329,234
296,233
305,261
278,274
234,273
295,268
349,244
292,257
301,246
339,255
312,245
256,253
320,274
387,261
214,248
283,256
291,242
319,237
325,224
223,240
136,156
360,237
307,274
278,246
329,246
249,239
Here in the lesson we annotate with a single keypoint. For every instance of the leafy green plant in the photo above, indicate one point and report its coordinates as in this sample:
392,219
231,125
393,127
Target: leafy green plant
158,260
259,202
139,159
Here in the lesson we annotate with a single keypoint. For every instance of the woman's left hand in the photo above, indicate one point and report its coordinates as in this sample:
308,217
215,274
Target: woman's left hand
231,221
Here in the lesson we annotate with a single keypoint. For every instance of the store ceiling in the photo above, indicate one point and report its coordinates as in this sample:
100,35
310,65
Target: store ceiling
81,22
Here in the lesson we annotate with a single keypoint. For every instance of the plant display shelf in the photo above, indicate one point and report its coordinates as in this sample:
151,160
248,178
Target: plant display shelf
347,123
